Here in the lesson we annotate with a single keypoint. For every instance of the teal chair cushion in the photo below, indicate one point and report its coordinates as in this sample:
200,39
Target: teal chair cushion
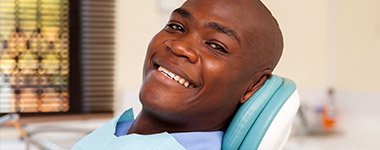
254,117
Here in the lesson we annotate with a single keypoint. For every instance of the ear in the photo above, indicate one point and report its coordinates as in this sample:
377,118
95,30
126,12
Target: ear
256,85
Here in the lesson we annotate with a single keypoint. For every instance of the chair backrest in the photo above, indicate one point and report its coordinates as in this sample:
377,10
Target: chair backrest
265,120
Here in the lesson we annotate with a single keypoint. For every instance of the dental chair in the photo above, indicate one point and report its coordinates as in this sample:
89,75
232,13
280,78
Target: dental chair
264,122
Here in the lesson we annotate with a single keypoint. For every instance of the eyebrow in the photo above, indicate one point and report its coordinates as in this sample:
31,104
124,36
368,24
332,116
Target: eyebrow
222,29
212,25
185,14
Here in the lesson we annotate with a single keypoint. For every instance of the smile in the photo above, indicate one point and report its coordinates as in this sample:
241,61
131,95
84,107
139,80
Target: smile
175,77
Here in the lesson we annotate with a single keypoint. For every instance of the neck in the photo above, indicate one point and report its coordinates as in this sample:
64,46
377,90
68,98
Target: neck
147,123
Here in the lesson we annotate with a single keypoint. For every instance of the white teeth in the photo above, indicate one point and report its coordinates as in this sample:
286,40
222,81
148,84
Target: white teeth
171,74
182,81
175,77
161,69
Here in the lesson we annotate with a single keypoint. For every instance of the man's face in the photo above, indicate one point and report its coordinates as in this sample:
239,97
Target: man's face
200,65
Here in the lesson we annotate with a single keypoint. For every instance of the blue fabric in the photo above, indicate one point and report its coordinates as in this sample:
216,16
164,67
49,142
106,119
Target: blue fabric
122,128
200,140
113,136
103,138
189,140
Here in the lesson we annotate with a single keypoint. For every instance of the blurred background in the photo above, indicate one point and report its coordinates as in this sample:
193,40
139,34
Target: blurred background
68,66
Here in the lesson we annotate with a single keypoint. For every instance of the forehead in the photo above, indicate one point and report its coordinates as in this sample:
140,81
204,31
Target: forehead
239,15
219,5
227,11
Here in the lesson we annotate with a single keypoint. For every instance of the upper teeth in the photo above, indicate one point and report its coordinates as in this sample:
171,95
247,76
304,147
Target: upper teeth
175,77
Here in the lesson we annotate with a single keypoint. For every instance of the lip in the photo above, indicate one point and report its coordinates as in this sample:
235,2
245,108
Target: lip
166,80
174,69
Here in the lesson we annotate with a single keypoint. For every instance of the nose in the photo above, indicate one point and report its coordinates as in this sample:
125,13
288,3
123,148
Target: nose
183,49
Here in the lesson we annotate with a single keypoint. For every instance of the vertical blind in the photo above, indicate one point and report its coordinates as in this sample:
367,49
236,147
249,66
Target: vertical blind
34,56
97,54
35,52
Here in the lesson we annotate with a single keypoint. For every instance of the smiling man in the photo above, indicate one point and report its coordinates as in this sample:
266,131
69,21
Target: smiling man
210,58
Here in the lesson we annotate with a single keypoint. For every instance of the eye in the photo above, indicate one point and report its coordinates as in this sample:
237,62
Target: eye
175,26
217,47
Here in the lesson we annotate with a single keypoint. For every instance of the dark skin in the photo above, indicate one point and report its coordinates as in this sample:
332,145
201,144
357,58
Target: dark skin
226,49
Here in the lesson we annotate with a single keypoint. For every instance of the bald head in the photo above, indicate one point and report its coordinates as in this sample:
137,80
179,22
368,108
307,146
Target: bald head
264,35
271,35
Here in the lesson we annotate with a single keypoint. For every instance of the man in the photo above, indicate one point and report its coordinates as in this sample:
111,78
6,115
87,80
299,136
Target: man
210,58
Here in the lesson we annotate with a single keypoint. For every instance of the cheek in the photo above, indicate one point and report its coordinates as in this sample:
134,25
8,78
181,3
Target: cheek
224,79
216,77
153,47
154,43
217,70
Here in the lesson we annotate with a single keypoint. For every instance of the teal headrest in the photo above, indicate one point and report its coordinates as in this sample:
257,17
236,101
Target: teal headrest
253,118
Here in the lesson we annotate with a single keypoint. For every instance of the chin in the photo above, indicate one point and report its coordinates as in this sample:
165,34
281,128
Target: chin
159,102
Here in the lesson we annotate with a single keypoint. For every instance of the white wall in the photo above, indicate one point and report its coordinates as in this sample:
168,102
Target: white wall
304,28
330,43
358,45
137,22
